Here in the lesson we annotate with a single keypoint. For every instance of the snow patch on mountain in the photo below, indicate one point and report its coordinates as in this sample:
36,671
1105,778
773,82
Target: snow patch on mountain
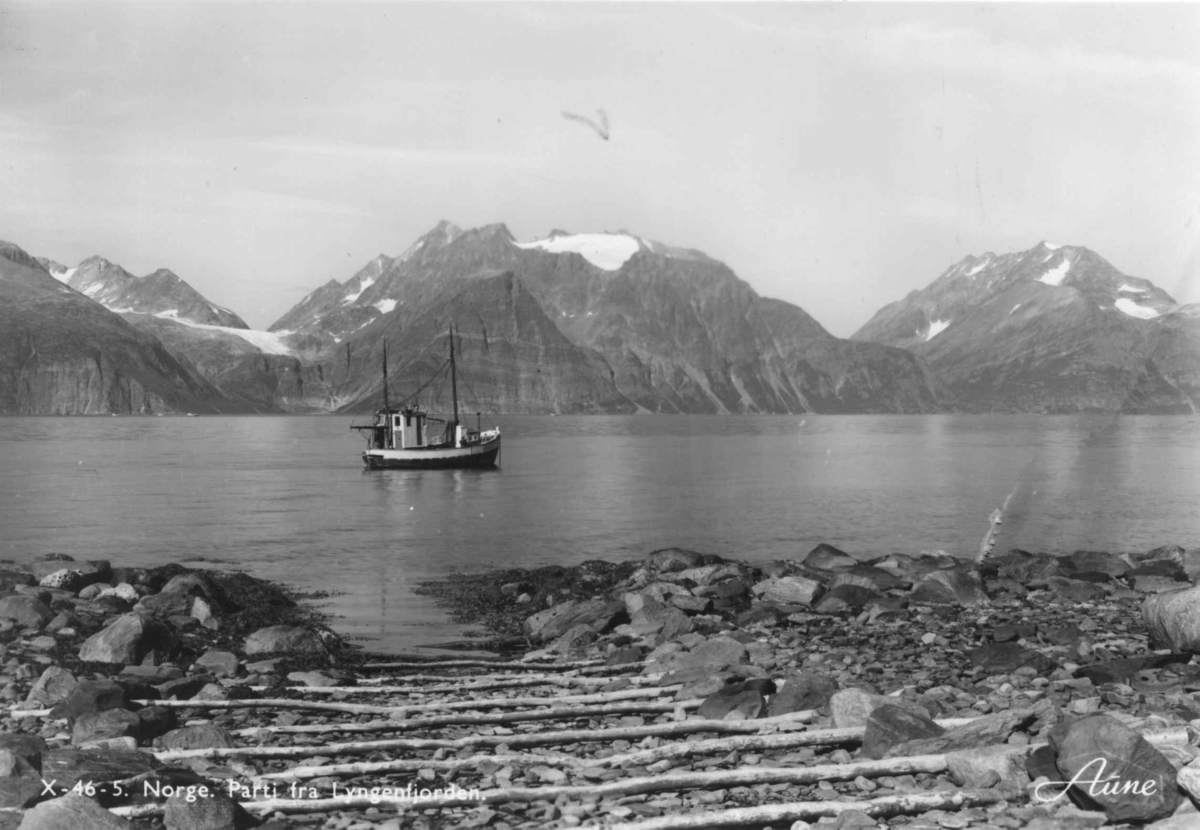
1128,306
1133,289
1053,246
64,275
978,268
607,251
1056,274
268,341
385,306
1014,308
936,327
367,283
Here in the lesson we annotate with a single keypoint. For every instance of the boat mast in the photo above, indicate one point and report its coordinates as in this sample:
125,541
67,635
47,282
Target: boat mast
389,438
385,382
453,387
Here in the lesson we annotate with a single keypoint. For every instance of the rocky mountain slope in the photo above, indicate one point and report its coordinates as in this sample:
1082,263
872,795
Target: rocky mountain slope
669,329
256,368
62,353
1051,329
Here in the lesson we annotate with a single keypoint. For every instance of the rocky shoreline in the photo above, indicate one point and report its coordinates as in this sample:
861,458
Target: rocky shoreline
684,690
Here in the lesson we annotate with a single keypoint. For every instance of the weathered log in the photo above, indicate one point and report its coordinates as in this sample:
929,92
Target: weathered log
567,736
396,711
506,683
630,733
518,665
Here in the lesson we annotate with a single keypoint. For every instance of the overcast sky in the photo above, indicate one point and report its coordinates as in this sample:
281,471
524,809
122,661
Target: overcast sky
835,156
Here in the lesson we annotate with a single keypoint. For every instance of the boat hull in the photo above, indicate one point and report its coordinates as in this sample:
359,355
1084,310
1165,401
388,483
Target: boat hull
473,457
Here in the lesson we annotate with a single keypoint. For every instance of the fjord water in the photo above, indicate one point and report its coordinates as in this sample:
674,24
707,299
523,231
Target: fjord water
287,498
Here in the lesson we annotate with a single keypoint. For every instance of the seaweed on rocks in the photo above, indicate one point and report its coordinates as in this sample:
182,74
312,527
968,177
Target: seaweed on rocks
500,600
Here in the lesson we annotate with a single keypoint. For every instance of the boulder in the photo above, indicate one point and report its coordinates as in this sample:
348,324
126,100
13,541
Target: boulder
846,599
185,688
1076,590
889,725
1173,618
624,655
869,576
988,730
129,639
20,792
828,558
284,639
89,697
599,614
1126,777
29,748
157,720
960,585
1095,561
9,580
788,590
219,663
205,736
165,604
989,766
70,812
123,591
27,611
53,687
66,579
802,691
110,723
853,707
669,560
732,702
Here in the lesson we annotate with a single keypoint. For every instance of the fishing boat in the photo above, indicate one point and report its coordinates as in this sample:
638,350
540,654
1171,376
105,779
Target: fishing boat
407,438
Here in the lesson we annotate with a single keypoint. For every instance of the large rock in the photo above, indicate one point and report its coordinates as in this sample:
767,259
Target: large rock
25,611
29,748
669,560
53,687
72,812
733,702
846,598
802,691
129,639
165,604
1133,781
989,766
788,590
111,723
219,663
285,639
955,586
89,697
828,558
988,730
203,736
598,614
853,707
889,725
1076,590
1173,618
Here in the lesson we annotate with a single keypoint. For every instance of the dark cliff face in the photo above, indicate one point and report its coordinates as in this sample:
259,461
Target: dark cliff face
62,353
1051,329
664,329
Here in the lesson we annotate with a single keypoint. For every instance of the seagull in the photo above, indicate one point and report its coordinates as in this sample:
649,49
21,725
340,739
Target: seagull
600,126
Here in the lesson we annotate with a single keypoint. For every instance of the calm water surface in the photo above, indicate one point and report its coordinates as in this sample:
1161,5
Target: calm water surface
287,498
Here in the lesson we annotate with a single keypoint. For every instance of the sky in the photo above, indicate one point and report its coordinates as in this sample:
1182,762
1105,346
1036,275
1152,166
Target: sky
836,156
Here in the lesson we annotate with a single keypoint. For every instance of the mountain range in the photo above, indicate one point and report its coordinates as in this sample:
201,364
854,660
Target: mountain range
594,323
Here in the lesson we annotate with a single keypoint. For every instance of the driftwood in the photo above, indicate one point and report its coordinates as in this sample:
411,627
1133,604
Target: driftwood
891,805
629,733
833,772
488,685
567,736
369,709
511,665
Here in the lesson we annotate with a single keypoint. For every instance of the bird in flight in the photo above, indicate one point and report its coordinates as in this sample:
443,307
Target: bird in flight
600,125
